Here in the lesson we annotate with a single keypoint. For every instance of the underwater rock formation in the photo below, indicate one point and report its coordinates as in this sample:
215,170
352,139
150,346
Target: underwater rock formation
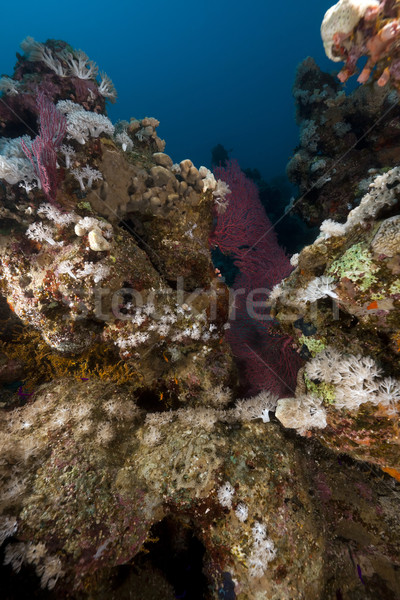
107,272
88,473
342,300
345,140
342,305
118,265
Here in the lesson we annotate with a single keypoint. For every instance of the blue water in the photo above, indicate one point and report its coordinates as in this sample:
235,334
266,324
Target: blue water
212,71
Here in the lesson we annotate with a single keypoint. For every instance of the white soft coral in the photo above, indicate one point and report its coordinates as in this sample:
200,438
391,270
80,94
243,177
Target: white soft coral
262,551
225,494
83,123
357,379
320,287
388,394
257,407
79,64
107,88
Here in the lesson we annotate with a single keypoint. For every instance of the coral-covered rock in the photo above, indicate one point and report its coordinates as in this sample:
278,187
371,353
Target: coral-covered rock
88,477
44,67
344,141
342,305
112,261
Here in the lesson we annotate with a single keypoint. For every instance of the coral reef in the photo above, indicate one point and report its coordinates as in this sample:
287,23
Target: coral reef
130,465
342,300
117,265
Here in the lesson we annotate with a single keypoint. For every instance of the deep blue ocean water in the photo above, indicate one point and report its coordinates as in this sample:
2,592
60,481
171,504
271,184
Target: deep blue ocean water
212,71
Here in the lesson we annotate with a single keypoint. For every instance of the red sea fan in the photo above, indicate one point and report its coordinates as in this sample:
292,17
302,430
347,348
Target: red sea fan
42,152
266,358
245,232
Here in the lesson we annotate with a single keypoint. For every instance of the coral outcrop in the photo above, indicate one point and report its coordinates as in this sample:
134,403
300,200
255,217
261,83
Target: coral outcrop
342,300
345,141
115,261
342,305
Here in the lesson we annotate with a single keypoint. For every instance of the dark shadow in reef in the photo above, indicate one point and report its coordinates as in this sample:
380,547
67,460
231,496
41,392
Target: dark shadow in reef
176,555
